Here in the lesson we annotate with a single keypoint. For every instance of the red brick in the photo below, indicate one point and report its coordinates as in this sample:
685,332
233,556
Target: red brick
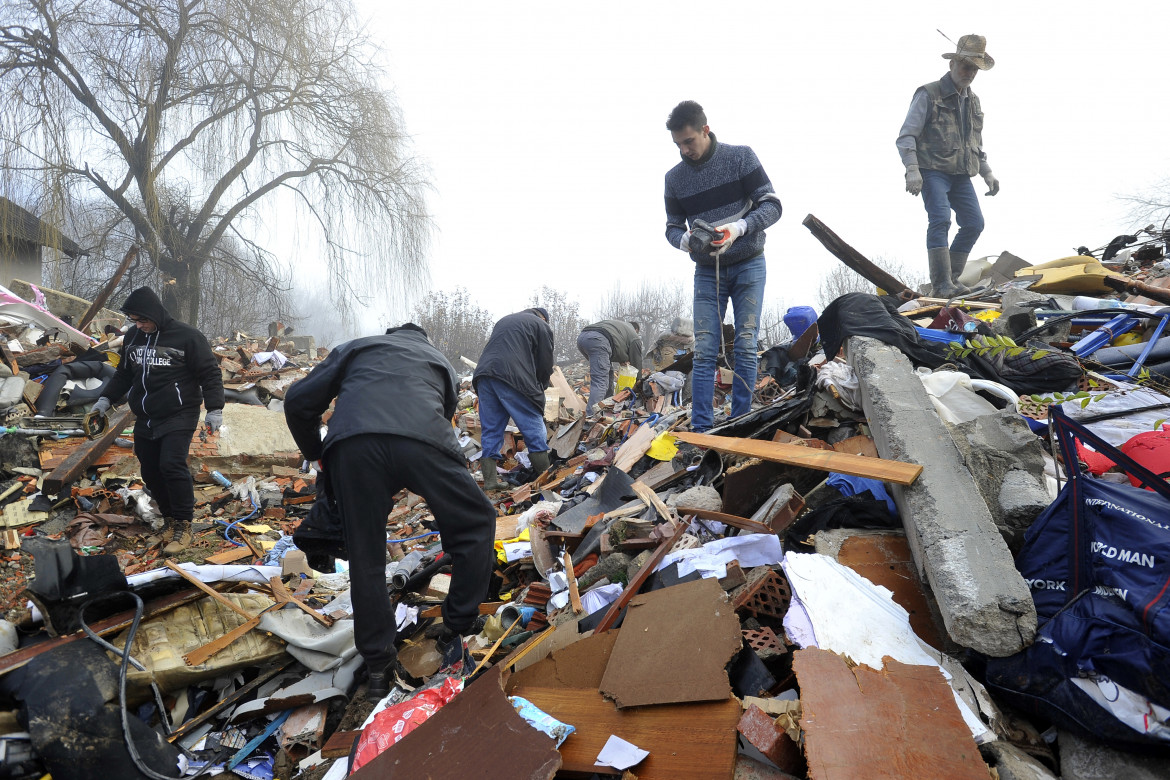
761,730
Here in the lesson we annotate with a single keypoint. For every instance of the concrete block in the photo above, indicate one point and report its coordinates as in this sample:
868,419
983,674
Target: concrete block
62,304
1012,763
1082,759
253,430
1007,462
700,496
11,391
957,547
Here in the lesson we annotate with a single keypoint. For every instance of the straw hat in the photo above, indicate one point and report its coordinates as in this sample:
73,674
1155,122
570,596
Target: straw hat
973,48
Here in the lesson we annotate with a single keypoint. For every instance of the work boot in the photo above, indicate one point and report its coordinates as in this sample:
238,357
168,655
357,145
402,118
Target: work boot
181,538
167,532
381,682
491,478
539,461
941,283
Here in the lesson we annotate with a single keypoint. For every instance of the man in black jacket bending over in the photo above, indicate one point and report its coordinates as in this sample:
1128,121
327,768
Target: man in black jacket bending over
169,370
391,429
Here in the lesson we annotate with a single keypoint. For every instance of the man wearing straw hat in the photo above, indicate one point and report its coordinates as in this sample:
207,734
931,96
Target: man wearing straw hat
941,145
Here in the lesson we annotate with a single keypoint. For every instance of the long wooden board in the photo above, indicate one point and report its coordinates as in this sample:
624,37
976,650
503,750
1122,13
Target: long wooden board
85,455
823,460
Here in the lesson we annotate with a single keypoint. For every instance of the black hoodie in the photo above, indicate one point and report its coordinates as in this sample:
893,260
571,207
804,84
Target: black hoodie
167,373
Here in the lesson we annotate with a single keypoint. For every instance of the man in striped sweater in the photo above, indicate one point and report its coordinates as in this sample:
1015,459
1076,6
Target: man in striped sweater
725,186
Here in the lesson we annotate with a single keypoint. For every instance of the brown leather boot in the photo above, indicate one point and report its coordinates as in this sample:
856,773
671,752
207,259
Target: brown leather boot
181,539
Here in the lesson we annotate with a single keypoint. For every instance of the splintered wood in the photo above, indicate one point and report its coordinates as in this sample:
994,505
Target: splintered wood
897,722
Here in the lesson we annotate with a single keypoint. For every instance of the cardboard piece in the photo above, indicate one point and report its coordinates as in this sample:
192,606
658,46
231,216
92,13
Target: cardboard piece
476,734
580,665
658,626
908,715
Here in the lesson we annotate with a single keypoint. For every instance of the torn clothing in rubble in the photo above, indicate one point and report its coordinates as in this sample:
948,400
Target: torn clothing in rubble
863,314
397,383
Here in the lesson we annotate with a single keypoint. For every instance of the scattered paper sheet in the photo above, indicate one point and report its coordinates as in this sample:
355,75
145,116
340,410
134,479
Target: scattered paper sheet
712,558
620,754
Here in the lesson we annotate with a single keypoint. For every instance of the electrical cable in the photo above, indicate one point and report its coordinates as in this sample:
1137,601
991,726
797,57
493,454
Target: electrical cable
412,538
127,659
237,521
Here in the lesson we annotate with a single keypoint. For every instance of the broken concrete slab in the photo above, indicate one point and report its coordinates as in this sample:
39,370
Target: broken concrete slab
253,430
982,598
1007,461
907,715
646,667
1083,759
476,734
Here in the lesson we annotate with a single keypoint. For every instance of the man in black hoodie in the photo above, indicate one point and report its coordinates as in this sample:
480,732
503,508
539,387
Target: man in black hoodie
168,370
391,429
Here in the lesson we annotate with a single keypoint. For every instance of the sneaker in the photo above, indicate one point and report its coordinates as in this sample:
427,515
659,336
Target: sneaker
180,541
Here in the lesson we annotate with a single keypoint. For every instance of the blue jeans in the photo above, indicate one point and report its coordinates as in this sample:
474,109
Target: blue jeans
942,193
743,284
497,402
596,348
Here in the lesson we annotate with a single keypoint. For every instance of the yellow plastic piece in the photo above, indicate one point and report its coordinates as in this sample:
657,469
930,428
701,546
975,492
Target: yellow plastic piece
663,447
523,537
987,315
1069,275
627,376
1125,339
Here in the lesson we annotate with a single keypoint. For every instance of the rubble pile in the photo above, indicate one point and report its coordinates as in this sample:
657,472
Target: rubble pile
936,547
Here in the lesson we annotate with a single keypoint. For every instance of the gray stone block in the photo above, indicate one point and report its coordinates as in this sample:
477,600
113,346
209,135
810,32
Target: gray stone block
1081,759
11,391
1007,461
1012,763
982,598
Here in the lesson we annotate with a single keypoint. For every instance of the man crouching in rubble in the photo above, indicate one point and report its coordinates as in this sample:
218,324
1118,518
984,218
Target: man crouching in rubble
391,429
168,369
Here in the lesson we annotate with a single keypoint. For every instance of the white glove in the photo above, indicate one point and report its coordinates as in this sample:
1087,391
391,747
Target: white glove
913,180
101,406
729,232
685,243
214,420
992,183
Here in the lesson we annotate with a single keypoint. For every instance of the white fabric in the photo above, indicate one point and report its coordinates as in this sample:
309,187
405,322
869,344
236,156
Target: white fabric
953,397
841,376
712,558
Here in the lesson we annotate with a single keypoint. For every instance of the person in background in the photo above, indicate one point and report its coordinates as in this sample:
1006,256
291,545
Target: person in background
603,344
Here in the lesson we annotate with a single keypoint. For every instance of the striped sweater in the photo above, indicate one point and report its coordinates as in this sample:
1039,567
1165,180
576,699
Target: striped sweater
727,184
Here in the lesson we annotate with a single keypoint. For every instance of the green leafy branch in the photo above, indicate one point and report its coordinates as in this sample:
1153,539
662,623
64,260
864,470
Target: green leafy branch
990,347
1059,398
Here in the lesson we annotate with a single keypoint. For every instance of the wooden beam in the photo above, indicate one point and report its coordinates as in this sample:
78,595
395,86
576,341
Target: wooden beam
639,579
574,593
742,523
203,586
1134,287
855,260
823,460
108,290
74,466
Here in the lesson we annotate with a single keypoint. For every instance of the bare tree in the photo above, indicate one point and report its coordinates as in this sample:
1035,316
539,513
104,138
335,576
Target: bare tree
193,117
1150,207
565,319
456,325
773,329
842,279
654,306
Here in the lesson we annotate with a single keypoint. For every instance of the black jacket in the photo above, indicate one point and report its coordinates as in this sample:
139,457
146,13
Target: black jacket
519,353
396,383
168,373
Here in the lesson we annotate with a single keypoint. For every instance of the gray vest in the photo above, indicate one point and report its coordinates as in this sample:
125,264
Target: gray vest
944,145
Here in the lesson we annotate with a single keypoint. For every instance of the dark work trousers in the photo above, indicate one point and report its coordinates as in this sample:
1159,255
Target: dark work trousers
365,472
163,463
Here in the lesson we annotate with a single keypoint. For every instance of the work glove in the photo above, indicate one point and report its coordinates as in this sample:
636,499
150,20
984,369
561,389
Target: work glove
214,420
685,243
913,180
101,406
992,183
728,233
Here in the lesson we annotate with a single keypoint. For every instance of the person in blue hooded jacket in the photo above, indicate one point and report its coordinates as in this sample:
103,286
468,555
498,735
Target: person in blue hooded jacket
167,371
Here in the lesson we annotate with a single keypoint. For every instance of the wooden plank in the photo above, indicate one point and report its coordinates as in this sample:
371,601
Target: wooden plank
108,290
200,654
686,741
823,460
239,694
574,593
229,556
203,586
650,498
340,744
634,448
281,592
562,386
855,260
742,523
74,466
639,579
487,608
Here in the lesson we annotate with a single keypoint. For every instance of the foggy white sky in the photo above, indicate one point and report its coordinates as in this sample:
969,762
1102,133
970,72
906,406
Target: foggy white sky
543,125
